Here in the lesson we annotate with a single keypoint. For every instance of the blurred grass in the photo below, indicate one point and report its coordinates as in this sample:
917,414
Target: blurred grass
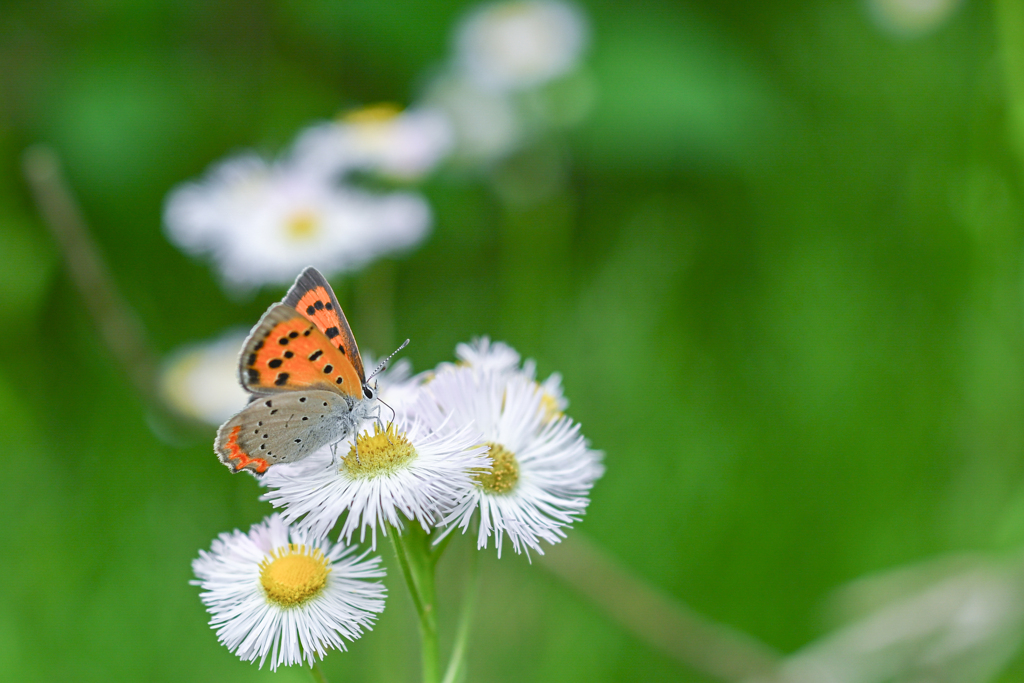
783,287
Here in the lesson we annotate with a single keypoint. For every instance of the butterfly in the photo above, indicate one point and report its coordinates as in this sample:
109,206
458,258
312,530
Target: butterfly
303,369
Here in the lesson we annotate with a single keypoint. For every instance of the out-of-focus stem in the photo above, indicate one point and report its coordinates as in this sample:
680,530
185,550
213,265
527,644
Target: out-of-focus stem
1009,20
121,331
657,619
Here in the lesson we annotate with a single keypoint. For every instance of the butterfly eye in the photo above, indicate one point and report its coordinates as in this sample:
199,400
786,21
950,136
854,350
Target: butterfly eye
367,391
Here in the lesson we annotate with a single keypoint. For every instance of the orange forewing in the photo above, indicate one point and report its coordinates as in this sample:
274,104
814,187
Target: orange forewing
313,298
286,353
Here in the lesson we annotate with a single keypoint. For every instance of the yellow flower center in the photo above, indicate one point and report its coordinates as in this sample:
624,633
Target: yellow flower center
294,575
374,113
383,452
504,473
302,226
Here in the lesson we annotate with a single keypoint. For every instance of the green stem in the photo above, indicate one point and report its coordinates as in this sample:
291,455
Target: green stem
407,573
318,673
413,552
457,663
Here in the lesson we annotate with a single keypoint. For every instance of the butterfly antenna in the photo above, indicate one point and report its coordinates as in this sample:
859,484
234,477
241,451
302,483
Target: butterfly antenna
393,413
384,363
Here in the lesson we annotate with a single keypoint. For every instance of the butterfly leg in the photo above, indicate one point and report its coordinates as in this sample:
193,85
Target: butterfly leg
380,425
355,445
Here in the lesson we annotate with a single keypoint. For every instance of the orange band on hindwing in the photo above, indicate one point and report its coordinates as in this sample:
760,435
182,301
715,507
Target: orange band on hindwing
235,452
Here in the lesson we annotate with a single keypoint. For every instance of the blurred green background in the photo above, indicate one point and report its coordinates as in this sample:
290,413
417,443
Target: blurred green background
782,283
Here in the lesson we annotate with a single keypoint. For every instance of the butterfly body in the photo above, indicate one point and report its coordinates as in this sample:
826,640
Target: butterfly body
303,367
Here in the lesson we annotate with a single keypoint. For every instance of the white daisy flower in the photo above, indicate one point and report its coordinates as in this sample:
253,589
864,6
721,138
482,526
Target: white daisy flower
382,139
405,470
261,222
515,45
541,470
484,355
275,594
201,380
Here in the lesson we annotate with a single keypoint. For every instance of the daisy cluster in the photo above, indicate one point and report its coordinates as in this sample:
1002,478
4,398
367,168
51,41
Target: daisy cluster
479,444
260,219
480,439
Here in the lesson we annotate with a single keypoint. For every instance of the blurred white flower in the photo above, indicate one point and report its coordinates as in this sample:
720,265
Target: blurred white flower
521,44
262,222
201,380
487,125
381,139
403,471
960,621
912,17
541,469
275,593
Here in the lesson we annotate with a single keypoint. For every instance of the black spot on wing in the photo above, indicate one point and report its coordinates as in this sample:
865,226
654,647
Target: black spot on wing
328,368
320,306
316,354
282,379
275,363
254,376
331,332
